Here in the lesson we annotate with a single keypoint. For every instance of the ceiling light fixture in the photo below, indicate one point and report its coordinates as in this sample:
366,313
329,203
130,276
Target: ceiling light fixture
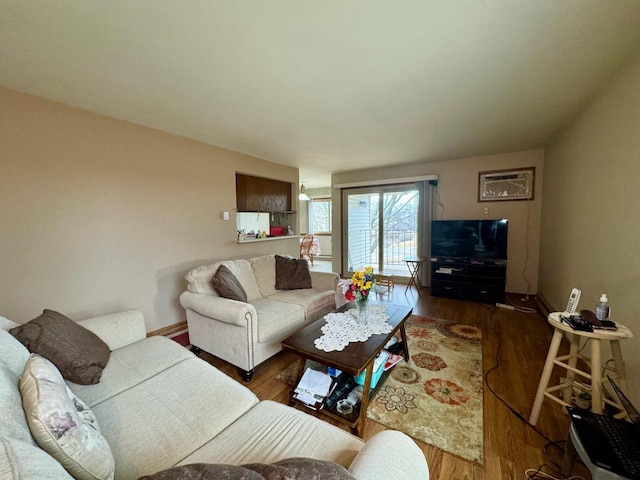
303,195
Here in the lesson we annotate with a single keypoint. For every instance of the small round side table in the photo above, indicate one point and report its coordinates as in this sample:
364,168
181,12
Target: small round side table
570,364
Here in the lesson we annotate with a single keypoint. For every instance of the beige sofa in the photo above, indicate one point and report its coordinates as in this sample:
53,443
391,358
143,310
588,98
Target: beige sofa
247,334
159,406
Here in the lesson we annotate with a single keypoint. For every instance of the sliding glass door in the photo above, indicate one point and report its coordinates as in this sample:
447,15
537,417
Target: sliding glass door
382,227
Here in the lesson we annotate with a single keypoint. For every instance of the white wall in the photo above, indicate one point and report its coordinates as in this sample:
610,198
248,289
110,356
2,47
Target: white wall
591,219
458,192
100,215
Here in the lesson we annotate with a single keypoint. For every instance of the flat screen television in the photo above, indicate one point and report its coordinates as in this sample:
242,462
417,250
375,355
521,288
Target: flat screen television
471,239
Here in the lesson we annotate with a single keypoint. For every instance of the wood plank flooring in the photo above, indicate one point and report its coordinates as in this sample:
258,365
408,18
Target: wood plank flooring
511,444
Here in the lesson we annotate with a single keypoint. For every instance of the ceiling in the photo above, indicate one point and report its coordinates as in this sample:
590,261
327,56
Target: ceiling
326,86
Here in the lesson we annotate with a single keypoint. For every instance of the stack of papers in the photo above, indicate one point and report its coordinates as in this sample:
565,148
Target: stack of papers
313,388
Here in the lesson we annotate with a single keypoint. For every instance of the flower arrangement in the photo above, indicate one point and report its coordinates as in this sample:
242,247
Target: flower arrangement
360,285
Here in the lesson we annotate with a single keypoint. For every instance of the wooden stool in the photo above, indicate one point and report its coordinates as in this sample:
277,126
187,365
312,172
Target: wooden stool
569,362
384,279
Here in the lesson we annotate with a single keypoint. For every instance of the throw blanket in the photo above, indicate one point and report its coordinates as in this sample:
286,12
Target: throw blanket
289,469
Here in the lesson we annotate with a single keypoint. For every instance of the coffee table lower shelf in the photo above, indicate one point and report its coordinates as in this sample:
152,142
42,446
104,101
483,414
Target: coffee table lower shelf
356,419
355,359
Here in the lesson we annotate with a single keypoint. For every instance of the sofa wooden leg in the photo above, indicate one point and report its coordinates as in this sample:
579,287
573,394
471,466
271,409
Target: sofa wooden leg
247,375
196,351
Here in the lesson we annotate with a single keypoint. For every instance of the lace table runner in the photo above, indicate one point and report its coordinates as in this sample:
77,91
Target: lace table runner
344,328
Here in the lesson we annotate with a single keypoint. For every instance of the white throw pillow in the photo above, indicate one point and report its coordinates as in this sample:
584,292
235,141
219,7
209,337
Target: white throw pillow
264,269
62,424
242,270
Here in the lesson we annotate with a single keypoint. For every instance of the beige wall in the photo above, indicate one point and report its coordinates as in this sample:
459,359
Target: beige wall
591,225
458,189
99,215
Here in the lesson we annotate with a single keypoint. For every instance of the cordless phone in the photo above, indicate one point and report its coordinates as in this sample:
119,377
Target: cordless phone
572,304
570,317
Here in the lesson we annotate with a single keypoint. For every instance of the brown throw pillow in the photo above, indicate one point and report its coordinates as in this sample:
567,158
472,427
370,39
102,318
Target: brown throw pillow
292,273
301,469
204,471
227,285
79,354
288,469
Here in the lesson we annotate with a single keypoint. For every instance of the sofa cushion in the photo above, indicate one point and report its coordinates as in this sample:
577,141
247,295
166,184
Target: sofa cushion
271,432
131,365
315,302
264,269
14,354
25,461
277,319
62,424
117,329
6,324
199,279
292,273
13,423
177,411
242,270
79,354
227,285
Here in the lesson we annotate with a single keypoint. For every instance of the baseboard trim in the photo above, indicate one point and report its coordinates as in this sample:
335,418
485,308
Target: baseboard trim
169,330
544,305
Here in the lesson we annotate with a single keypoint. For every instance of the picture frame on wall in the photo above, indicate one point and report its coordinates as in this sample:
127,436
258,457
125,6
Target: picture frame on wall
507,184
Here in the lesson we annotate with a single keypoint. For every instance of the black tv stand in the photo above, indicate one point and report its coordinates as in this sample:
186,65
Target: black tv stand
468,279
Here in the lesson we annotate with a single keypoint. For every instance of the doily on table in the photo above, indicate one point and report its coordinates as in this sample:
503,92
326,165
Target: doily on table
343,328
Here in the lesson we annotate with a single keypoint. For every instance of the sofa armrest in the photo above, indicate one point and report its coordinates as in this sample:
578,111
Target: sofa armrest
324,280
390,454
218,308
117,329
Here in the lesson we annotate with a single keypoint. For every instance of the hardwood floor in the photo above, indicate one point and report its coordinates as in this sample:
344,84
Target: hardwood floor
511,445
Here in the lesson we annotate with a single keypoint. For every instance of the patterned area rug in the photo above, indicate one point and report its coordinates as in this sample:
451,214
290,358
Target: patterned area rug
437,396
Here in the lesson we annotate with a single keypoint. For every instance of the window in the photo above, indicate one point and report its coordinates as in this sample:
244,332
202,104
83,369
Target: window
320,215
383,226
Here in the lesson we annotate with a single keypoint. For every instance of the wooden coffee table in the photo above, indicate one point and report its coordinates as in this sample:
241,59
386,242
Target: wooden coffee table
356,357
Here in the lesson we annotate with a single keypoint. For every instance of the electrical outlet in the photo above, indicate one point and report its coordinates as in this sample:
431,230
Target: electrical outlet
225,215
486,210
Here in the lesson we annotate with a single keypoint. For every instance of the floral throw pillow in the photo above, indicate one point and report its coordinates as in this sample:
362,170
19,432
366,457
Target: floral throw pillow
62,424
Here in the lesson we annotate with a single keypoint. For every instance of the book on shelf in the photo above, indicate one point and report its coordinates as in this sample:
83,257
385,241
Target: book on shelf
313,388
392,360
308,402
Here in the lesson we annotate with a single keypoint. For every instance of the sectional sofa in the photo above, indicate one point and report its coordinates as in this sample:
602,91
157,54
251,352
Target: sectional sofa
159,406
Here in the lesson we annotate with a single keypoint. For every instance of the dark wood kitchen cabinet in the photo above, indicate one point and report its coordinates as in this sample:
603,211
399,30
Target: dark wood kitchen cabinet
258,194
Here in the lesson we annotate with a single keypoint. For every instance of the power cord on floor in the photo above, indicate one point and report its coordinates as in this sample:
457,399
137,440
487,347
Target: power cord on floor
521,308
534,474
504,402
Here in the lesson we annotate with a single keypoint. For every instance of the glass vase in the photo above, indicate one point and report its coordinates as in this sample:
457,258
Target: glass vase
361,306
